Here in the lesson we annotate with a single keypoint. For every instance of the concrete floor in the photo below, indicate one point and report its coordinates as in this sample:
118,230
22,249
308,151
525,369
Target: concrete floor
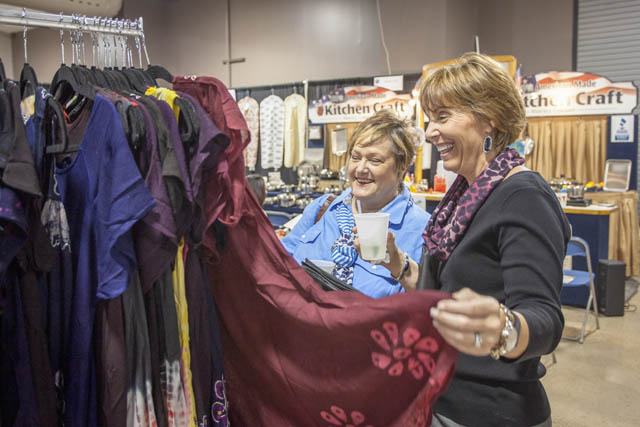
597,383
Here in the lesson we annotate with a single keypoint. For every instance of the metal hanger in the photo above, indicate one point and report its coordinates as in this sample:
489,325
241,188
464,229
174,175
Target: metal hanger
65,82
28,79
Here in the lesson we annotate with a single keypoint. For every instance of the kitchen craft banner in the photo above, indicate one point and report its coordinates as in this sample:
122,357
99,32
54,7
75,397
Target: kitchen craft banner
356,103
573,93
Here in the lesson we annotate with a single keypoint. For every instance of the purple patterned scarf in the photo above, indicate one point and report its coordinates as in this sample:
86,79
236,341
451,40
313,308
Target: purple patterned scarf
449,221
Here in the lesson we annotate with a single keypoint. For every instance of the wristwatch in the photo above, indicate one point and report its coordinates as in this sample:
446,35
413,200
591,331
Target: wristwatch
509,334
405,267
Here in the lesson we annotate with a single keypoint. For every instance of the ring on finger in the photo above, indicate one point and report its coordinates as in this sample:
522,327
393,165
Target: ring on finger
477,340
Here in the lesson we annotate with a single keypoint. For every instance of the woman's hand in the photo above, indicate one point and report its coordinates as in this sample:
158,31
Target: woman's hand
459,320
396,256
396,262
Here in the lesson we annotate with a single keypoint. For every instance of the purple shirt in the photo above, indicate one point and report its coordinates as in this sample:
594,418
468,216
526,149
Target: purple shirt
155,235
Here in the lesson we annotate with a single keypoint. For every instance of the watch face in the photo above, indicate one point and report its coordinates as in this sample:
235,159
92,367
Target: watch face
512,339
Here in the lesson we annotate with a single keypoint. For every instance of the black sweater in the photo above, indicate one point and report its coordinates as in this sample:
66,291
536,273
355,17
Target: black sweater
513,251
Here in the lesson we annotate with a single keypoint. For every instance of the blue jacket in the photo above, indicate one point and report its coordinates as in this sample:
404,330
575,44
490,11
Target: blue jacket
314,240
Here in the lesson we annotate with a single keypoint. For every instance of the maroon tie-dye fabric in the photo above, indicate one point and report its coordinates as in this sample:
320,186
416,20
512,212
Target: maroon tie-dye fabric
295,355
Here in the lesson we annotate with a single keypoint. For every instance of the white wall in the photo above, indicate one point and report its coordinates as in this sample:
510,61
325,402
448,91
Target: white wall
538,33
6,53
287,40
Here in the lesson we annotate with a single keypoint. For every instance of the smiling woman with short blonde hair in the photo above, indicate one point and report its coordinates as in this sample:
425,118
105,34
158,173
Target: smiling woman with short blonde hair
381,151
387,126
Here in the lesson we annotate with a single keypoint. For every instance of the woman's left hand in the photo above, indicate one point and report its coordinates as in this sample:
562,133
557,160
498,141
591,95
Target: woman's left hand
459,320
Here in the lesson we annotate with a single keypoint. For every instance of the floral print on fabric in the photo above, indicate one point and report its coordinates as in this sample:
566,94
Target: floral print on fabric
413,353
339,417
219,409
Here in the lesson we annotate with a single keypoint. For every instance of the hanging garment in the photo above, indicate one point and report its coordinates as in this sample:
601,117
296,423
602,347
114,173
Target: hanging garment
204,156
228,178
302,356
58,283
155,235
111,363
180,190
16,161
170,97
17,395
140,405
271,132
216,101
34,261
165,181
206,352
251,113
14,230
18,403
295,129
183,328
169,345
104,196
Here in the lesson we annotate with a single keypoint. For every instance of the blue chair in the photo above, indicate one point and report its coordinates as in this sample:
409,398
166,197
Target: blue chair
278,218
579,248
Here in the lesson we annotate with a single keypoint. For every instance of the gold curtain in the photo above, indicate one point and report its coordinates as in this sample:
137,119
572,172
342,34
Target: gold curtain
624,241
573,146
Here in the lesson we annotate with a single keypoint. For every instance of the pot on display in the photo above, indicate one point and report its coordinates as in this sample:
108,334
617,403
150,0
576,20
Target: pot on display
313,181
307,169
575,191
335,189
274,187
328,174
286,200
288,188
303,203
271,200
557,184
305,188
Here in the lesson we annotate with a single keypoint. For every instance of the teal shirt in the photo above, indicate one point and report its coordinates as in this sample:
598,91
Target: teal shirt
314,240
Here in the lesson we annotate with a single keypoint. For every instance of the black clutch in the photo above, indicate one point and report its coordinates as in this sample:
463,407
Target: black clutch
324,279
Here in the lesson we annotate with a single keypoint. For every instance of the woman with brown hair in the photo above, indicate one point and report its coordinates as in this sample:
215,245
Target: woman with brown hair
496,242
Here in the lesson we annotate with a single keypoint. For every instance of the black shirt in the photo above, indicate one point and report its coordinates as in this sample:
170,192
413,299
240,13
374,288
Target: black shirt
513,251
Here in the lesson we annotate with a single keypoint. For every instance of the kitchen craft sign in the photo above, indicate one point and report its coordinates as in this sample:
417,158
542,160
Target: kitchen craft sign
573,93
356,103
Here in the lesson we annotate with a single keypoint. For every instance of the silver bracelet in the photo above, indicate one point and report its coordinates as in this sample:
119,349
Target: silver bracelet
508,335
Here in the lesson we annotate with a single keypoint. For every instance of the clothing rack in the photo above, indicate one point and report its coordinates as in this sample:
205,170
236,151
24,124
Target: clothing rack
72,22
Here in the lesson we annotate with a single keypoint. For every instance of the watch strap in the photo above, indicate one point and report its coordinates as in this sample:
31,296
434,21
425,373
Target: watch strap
403,271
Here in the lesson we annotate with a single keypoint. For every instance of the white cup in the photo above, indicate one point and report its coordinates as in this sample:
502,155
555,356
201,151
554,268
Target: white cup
326,266
562,197
372,232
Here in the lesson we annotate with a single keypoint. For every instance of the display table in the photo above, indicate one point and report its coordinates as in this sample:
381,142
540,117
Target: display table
593,224
624,240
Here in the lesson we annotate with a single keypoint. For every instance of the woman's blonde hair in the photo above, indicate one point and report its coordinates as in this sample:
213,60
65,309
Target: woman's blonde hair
383,125
476,83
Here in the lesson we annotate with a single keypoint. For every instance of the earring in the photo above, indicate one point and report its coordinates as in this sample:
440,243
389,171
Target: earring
488,142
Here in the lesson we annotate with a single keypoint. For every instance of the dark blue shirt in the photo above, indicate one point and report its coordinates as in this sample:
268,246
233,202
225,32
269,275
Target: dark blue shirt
104,195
